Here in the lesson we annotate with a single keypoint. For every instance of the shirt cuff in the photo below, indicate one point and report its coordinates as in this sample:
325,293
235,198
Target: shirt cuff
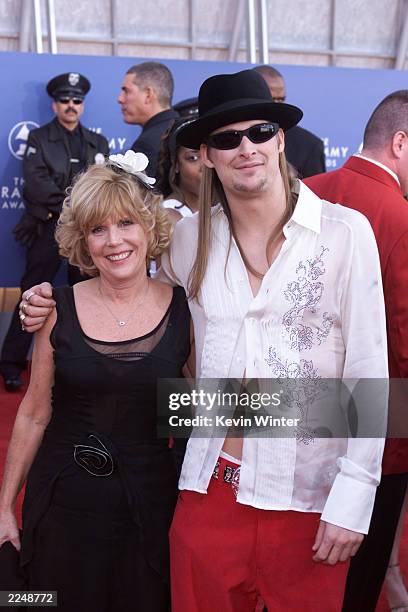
350,504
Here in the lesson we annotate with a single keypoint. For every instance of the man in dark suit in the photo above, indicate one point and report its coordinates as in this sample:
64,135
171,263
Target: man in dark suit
55,153
145,100
303,150
374,183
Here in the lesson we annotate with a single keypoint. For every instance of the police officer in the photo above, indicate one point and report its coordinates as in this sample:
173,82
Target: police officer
187,108
55,153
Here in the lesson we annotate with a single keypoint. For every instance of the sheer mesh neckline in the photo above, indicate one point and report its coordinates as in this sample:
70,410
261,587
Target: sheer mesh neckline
127,350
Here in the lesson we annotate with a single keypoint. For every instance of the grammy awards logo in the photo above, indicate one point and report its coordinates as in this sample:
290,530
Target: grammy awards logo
17,138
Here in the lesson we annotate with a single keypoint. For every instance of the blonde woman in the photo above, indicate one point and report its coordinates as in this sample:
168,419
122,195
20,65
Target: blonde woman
101,487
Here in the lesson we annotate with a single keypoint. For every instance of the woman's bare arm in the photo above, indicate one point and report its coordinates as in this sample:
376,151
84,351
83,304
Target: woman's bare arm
32,418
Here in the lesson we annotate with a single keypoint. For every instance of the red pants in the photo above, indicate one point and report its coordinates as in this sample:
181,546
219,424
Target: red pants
225,555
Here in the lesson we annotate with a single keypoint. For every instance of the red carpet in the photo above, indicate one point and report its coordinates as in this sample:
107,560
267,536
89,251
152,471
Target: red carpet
9,403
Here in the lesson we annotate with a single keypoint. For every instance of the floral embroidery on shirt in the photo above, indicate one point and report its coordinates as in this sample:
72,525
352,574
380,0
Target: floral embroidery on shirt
324,331
305,436
298,391
301,337
305,294
285,369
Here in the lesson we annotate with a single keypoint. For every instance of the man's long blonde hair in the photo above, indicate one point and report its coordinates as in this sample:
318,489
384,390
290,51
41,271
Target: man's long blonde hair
212,192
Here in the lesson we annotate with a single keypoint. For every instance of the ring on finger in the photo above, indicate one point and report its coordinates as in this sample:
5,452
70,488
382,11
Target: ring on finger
29,296
22,316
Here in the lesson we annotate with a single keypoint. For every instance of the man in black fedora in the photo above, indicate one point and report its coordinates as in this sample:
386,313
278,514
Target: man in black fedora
272,278
281,285
55,153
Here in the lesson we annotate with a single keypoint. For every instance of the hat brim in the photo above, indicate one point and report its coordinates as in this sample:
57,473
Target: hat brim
196,132
72,93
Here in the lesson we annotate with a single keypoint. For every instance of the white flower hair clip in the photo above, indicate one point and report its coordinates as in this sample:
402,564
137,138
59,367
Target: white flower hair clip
133,163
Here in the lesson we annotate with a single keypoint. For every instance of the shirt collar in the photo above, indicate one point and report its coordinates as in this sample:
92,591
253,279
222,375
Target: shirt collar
73,132
380,165
307,212
162,116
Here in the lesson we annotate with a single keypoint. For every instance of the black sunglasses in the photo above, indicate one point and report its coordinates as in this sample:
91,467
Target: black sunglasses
231,139
66,99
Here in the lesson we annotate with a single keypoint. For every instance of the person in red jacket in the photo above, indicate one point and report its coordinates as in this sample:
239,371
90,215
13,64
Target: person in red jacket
375,183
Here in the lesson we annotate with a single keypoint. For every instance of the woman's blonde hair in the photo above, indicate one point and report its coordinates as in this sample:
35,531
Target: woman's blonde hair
103,192
212,192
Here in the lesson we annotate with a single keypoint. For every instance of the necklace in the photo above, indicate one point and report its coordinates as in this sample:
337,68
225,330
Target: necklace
136,304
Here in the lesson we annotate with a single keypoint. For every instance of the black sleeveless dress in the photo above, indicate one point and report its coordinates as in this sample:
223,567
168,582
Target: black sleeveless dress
102,489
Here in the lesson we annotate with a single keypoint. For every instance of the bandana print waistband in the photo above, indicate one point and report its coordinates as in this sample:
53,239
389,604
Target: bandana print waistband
230,476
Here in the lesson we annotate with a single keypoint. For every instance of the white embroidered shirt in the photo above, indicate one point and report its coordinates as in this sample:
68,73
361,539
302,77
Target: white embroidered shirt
319,313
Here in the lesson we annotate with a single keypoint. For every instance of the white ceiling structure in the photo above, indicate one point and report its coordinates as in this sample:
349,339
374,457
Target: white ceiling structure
354,33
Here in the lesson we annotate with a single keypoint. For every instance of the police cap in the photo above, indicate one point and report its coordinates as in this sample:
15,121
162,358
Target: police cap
68,84
187,108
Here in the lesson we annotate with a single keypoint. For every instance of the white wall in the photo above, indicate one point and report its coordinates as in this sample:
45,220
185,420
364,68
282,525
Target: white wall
365,34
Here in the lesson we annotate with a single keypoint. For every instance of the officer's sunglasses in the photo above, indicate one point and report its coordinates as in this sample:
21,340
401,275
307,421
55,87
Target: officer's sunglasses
231,139
66,99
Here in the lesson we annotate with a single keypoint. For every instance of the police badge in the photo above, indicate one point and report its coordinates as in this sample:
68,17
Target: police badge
73,78
99,158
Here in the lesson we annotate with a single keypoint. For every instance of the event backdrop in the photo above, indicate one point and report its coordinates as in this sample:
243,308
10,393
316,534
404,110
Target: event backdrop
336,104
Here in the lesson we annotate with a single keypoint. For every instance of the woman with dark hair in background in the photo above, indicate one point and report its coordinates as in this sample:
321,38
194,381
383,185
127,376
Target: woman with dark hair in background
179,174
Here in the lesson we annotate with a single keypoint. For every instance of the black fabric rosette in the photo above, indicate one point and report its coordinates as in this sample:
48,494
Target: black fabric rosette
95,456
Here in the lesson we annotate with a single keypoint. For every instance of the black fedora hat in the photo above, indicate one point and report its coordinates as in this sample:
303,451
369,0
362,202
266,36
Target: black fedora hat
228,98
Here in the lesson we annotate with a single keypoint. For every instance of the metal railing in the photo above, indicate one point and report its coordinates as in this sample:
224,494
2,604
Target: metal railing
32,10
